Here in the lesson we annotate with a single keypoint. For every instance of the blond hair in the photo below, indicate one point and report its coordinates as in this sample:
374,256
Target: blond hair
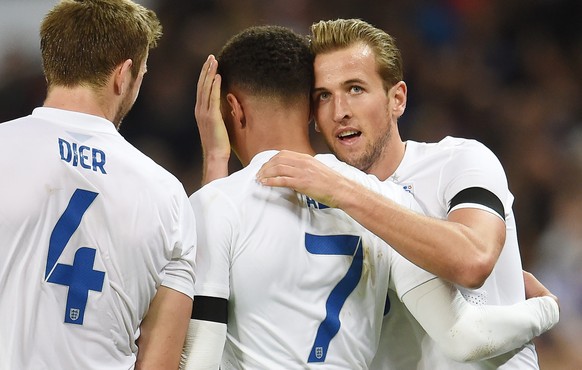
332,35
82,41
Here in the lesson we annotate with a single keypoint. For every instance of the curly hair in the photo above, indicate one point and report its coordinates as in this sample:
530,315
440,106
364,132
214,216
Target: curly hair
267,61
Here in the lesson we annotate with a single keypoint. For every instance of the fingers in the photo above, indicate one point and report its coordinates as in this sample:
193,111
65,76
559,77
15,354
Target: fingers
214,104
273,173
534,288
202,78
205,83
281,164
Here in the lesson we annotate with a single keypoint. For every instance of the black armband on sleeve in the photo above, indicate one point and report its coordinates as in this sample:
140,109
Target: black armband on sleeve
210,309
478,196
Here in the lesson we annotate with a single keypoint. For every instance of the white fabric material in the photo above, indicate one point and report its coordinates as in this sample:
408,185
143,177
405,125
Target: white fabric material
203,346
254,250
139,229
434,173
465,332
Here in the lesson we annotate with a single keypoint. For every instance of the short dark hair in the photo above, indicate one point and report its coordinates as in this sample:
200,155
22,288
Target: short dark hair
267,61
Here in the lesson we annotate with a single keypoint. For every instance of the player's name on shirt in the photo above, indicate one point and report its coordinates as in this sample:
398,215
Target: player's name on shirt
314,204
82,155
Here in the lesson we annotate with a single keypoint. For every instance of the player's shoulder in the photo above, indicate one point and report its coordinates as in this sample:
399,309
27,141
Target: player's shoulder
18,126
143,166
386,188
235,187
10,123
452,146
458,143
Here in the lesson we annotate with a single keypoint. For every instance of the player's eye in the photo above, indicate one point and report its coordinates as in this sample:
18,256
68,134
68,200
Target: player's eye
322,96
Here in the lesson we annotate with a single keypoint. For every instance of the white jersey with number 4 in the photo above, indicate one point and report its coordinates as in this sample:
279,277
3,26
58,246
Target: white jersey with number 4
435,173
89,228
306,284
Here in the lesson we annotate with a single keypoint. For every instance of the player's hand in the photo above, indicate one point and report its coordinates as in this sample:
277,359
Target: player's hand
213,134
303,173
533,287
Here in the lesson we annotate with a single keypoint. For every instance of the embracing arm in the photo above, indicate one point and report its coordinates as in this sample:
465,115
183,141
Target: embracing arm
462,249
163,330
465,332
206,334
213,134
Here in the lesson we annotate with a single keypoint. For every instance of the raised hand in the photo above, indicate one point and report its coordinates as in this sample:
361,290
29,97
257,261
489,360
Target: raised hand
213,134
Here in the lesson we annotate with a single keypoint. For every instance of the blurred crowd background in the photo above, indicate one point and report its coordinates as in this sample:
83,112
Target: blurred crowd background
505,72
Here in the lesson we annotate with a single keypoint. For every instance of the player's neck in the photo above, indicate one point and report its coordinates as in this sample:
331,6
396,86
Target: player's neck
389,161
274,127
78,99
289,136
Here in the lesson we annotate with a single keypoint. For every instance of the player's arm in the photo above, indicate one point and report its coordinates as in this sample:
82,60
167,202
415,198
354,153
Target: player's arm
206,334
463,251
466,332
213,134
215,229
163,330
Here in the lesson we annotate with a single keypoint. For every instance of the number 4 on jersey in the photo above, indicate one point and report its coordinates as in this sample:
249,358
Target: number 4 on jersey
80,276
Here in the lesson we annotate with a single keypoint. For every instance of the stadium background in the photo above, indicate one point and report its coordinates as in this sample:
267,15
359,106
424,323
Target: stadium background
508,73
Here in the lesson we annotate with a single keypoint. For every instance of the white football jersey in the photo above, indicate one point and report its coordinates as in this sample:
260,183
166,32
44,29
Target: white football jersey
434,173
306,284
89,228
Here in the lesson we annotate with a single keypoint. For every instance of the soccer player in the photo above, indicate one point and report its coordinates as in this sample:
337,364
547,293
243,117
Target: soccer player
470,237
286,282
97,243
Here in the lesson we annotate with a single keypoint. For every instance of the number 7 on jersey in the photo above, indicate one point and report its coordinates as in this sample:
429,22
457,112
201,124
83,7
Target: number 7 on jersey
345,245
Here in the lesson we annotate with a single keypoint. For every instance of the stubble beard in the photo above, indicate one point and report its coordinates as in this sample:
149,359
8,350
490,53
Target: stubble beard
371,154
125,106
121,113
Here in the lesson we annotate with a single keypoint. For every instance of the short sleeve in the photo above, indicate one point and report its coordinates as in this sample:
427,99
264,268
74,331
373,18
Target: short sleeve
179,272
216,225
473,165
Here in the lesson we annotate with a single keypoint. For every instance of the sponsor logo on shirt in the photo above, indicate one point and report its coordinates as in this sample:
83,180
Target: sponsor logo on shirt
408,187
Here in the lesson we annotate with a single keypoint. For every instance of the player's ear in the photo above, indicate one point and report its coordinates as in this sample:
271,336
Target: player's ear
397,94
312,116
235,110
316,127
122,77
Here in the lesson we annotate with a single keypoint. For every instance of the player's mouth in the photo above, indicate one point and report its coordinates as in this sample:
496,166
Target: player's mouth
349,135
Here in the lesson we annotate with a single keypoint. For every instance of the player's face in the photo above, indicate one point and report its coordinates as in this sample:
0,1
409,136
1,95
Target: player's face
352,108
131,94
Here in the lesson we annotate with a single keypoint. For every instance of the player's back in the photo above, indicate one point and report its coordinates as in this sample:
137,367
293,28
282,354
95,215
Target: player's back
87,225
307,284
